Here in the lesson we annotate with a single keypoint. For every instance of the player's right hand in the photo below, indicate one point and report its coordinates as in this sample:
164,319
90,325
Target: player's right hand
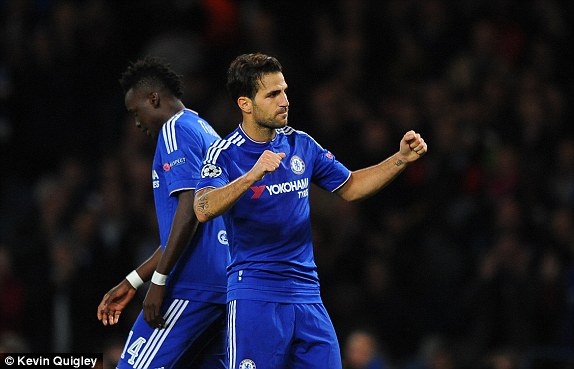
152,306
268,162
412,146
114,302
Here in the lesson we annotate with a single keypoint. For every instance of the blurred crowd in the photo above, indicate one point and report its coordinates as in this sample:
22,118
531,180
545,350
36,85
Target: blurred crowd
465,261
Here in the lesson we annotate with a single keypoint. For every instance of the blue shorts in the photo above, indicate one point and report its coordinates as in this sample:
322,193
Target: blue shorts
194,334
280,336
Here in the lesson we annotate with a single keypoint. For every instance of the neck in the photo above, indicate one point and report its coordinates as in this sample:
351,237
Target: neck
176,106
257,132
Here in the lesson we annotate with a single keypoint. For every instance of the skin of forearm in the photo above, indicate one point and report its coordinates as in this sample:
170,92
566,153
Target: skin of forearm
145,270
182,230
212,202
366,182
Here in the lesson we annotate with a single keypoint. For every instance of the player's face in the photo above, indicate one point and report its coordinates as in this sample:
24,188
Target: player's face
270,105
143,107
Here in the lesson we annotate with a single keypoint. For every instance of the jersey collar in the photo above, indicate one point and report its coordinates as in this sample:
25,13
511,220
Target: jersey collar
246,136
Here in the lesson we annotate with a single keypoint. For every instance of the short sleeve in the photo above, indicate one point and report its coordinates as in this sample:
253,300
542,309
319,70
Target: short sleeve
328,172
214,172
181,157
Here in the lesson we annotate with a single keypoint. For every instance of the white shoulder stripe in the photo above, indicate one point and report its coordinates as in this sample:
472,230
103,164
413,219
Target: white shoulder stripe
174,139
216,152
218,146
214,148
238,140
233,136
168,131
166,138
287,130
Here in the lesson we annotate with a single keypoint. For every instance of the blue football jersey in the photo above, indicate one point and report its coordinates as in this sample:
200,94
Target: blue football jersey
182,144
269,228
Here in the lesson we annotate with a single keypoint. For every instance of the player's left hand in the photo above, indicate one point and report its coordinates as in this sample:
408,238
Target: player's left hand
114,302
412,146
152,306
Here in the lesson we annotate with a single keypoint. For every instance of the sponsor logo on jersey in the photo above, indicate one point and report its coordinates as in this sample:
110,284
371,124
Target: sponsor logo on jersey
257,191
211,171
247,364
286,187
297,165
329,155
300,185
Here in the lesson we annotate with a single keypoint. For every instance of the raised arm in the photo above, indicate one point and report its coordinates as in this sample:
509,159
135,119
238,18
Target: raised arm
212,202
366,182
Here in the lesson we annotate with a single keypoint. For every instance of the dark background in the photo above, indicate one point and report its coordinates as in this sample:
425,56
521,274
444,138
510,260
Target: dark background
468,254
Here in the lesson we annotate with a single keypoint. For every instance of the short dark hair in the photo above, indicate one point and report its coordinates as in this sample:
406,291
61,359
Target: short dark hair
152,72
246,71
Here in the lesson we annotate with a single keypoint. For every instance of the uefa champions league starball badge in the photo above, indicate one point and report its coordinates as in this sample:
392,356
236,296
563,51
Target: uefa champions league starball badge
211,171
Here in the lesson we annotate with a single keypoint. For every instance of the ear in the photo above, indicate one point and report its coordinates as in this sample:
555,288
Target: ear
153,99
245,104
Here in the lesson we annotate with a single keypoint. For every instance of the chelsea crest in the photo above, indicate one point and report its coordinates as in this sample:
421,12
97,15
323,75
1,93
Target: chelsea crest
247,364
297,165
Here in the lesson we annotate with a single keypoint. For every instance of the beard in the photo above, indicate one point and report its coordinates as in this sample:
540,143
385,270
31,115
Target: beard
276,121
271,123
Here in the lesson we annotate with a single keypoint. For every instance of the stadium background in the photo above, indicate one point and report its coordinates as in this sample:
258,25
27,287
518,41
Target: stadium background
467,257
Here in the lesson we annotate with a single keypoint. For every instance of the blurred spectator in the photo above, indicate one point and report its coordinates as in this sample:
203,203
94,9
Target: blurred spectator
13,294
501,301
13,342
67,292
362,351
502,359
112,351
551,299
434,353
